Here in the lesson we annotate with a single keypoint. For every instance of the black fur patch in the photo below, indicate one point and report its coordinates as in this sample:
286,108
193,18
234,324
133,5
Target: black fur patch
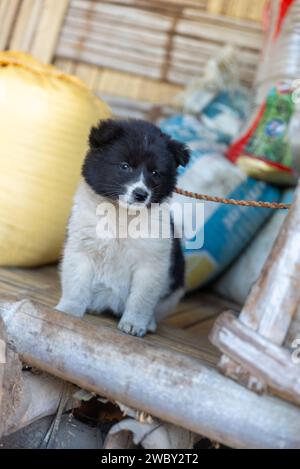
177,267
143,147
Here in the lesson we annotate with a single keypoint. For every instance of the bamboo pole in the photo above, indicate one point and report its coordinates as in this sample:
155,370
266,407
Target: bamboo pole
272,302
10,380
40,396
171,386
260,357
24,396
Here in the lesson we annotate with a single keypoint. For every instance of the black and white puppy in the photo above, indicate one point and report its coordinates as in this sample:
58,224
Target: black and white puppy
129,163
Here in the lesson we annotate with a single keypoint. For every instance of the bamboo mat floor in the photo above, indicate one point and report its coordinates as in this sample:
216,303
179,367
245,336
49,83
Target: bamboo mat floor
186,331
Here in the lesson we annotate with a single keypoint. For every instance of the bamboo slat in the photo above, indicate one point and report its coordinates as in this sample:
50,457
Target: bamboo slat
26,24
134,50
237,8
106,82
186,331
215,6
294,331
125,108
181,332
66,65
44,282
8,11
32,26
167,41
48,30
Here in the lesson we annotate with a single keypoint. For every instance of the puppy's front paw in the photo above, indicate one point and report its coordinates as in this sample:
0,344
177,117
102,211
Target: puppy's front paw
71,308
131,328
152,325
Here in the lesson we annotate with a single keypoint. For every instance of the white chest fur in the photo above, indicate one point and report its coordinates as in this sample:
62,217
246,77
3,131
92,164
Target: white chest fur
116,273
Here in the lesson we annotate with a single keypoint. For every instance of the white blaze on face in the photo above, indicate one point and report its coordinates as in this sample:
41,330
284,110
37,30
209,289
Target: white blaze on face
137,193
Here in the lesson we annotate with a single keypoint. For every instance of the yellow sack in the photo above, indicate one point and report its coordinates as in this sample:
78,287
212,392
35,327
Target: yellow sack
45,117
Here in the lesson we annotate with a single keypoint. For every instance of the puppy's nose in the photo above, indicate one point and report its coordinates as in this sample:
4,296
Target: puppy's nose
139,195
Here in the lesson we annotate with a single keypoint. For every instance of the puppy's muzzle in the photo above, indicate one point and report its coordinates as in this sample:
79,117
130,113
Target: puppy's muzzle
139,195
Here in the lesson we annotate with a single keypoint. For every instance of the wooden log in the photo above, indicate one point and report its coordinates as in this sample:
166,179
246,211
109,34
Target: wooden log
169,385
260,357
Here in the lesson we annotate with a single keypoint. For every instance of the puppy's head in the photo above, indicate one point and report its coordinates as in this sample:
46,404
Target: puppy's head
132,161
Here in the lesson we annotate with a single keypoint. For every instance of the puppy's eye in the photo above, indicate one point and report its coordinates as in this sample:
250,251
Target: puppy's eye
125,166
155,174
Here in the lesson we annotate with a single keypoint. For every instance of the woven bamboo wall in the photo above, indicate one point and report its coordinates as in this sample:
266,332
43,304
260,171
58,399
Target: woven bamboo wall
133,52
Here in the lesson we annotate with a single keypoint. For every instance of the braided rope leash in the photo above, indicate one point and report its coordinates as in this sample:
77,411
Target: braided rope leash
221,200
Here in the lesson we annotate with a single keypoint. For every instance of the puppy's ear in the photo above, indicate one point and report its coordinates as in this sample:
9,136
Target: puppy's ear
180,152
106,131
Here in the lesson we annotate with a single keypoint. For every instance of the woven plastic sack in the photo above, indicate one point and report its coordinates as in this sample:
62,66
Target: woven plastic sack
44,123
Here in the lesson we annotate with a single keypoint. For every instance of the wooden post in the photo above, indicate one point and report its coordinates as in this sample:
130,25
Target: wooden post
169,385
272,302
